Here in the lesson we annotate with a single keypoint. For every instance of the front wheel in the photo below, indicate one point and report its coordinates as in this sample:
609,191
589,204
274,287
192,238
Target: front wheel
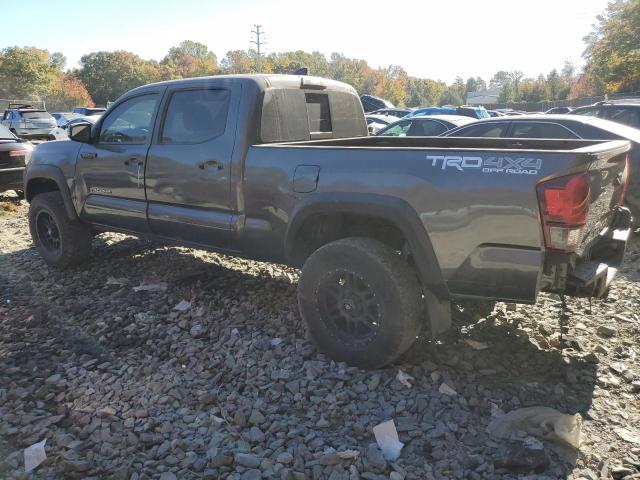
361,302
60,241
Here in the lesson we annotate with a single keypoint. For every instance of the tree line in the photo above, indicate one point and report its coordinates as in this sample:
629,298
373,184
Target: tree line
612,65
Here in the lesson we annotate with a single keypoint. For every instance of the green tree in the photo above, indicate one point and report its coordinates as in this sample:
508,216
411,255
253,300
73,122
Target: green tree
28,72
107,75
237,61
613,49
499,80
422,92
476,84
191,59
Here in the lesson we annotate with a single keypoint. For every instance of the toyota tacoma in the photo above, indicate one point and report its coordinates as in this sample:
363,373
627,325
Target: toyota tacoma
389,232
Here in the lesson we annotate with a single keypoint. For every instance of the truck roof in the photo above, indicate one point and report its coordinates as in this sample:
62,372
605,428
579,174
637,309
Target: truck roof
263,81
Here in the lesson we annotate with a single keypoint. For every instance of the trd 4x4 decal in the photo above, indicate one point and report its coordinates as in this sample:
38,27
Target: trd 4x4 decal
509,165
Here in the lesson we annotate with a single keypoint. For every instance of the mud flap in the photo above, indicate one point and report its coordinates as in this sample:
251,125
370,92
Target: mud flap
438,313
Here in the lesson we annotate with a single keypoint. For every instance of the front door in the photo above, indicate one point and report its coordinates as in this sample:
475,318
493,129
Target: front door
111,170
188,174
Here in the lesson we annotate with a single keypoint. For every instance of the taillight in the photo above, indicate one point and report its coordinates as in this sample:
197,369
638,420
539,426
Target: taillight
19,153
626,173
564,205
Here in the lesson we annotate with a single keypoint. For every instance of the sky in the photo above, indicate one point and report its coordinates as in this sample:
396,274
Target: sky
436,39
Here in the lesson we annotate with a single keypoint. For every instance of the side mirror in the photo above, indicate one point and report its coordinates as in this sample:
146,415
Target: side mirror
80,132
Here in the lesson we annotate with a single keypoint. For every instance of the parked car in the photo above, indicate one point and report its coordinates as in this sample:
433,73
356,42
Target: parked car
508,112
26,121
496,113
558,111
62,133
87,111
426,126
376,123
473,112
371,103
396,112
14,154
621,111
263,167
62,118
565,127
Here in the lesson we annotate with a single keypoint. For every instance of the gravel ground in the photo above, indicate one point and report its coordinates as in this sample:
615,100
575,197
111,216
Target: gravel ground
122,385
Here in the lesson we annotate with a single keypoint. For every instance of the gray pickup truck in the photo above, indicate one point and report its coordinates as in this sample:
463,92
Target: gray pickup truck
389,232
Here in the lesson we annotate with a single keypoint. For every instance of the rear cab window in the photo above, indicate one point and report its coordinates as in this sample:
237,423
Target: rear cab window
318,113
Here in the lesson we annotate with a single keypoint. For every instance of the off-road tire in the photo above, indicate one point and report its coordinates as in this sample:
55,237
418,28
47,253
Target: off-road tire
74,237
396,297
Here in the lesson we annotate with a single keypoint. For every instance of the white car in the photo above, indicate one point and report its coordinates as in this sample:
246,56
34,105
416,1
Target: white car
62,118
375,122
61,133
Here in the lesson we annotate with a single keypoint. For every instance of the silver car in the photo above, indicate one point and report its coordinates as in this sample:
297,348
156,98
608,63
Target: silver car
28,122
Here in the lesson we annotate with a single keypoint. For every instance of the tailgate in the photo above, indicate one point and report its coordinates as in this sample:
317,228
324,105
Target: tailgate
608,175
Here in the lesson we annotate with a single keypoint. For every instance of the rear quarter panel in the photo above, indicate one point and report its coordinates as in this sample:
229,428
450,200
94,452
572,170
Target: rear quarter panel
482,222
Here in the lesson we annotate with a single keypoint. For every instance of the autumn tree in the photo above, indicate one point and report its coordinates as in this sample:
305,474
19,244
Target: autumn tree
191,59
68,92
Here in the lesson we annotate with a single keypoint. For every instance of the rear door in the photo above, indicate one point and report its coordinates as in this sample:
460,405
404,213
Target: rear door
188,175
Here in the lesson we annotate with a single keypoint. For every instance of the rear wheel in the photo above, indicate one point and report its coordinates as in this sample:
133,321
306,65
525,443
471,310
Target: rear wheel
61,241
361,302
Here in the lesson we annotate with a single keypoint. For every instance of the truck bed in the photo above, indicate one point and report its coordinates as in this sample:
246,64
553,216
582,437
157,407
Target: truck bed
476,198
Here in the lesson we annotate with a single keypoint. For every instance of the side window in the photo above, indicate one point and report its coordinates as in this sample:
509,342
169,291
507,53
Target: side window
628,116
195,116
130,122
400,129
318,112
587,111
540,130
489,130
427,128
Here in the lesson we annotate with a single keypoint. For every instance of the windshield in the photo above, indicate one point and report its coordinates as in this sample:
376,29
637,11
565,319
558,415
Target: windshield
5,133
32,115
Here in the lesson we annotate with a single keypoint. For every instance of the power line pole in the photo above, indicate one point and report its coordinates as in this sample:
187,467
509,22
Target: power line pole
258,43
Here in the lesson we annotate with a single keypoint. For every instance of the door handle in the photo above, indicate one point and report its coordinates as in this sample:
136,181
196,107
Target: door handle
88,155
210,163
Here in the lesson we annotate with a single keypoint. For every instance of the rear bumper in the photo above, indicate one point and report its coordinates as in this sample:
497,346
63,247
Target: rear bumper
592,274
